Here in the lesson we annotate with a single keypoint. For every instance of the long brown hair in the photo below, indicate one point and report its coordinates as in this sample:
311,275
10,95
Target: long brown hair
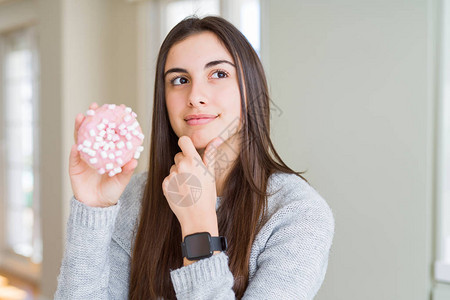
157,248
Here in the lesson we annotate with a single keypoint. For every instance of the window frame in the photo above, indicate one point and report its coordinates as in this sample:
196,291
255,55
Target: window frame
442,261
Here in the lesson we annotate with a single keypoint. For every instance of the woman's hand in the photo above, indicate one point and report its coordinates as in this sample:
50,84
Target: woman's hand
190,188
90,187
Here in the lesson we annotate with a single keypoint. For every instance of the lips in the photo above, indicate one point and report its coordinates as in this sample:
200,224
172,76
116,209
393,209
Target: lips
199,119
200,116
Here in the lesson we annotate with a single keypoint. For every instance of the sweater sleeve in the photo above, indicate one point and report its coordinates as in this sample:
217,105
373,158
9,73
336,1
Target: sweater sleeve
292,261
208,278
84,272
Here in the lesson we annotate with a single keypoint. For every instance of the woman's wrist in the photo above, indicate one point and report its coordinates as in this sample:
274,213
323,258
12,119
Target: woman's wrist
95,203
212,229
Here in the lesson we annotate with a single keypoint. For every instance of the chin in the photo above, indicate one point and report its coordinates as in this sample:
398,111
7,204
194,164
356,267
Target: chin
201,141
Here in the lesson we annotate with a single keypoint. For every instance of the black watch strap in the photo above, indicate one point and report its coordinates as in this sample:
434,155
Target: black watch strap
217,243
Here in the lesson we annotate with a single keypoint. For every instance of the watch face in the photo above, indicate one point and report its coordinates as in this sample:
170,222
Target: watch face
198,246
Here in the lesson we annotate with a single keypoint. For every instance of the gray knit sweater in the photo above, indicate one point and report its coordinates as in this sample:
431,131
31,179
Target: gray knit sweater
288,259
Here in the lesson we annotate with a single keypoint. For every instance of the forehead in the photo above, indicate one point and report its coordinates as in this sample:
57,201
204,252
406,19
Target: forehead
199,48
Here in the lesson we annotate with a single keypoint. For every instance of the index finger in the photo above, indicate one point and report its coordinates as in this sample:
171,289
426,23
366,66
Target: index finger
187,146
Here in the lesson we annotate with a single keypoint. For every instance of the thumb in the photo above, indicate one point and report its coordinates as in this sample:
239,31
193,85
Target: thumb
210,154
127,171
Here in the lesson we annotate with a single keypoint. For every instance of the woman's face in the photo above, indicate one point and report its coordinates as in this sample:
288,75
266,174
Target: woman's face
202,91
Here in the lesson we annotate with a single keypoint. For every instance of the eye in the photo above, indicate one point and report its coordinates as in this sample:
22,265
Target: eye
178,80
220,74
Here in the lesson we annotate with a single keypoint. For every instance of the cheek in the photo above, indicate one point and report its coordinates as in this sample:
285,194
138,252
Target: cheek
235,103
173,106
231,98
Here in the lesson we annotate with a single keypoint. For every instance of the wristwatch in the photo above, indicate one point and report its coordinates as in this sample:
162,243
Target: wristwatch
202,245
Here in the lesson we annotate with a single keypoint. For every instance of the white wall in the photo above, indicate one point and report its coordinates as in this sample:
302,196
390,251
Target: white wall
353,80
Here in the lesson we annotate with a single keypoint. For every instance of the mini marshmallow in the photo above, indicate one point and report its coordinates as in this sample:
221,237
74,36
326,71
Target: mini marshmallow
92,153
93,160
111,106
117,170
90,112
101,126
96,146
112,125
111,156
137,154
103,154
122,126
92,132
102,133
133,126
98,138
120,145
140,148
128,136
119,161
87,143
105,121
111,173
129,145
127,118
80,146
109,166
101,171
128,109
119,153
141,136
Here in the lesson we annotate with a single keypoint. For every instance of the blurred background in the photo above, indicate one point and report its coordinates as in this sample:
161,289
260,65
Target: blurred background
360,100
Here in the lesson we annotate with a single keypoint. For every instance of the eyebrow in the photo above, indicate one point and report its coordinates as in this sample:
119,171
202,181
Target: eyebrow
208,65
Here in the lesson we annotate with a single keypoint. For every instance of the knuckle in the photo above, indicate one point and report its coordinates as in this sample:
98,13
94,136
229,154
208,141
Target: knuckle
182,165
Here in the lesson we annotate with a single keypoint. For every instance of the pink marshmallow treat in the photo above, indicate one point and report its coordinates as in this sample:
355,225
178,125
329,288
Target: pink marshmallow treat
109,137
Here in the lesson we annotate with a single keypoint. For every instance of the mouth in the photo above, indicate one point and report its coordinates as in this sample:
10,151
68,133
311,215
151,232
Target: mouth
199,119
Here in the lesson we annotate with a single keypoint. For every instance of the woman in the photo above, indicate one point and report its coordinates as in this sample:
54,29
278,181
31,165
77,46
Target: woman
211,130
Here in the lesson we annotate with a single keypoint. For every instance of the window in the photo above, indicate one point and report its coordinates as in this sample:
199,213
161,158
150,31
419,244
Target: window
250,23
19,203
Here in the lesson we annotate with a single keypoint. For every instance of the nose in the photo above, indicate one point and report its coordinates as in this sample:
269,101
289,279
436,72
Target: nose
197,95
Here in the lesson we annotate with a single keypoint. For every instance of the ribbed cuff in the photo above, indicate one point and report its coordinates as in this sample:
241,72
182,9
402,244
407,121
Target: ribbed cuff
92,217
199,273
